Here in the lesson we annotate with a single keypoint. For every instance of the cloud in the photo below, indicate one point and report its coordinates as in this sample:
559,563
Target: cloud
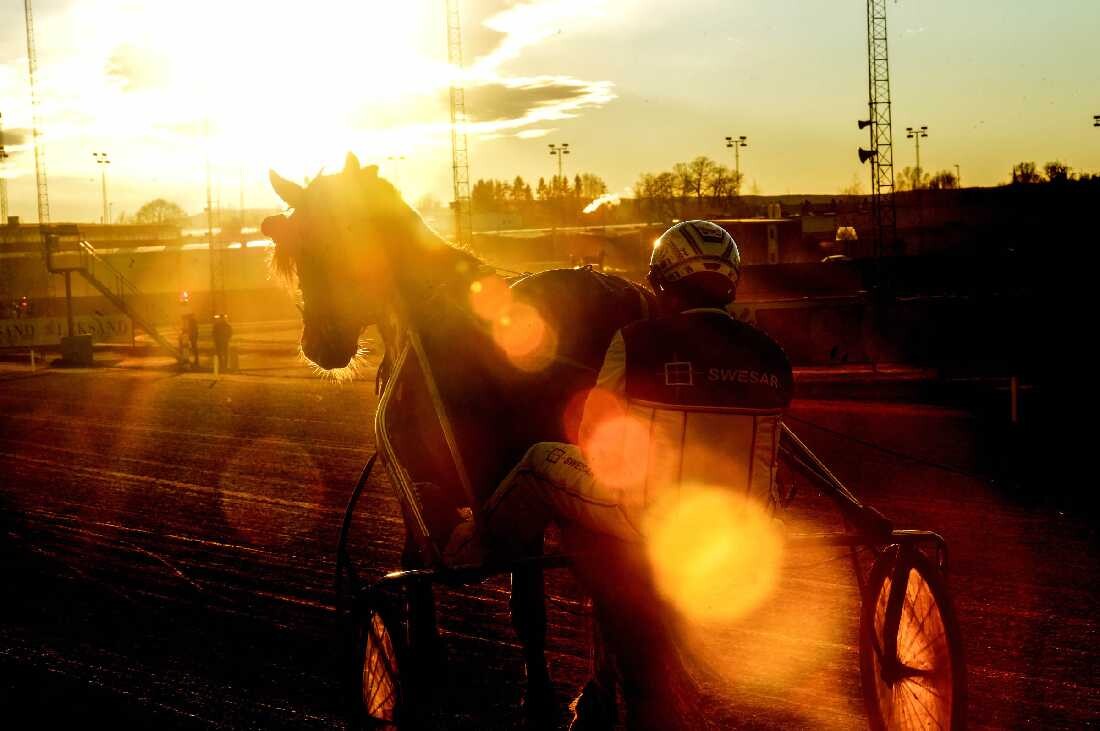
507,100
531,134
16,138
138,68
529,23
478,39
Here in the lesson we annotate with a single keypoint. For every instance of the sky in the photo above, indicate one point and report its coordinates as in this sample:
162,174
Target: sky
172,90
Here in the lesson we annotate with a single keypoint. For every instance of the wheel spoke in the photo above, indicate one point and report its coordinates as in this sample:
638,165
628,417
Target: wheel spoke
931,605
379,687
928,644
927,711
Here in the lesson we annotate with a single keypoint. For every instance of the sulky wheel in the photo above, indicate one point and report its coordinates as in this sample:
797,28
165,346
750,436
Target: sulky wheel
394,665
910,654
381,698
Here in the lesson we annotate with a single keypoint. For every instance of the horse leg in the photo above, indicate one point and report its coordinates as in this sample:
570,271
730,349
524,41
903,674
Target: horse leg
528,604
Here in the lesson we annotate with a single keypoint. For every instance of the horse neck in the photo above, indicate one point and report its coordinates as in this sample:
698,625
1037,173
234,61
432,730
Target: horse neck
431,289
427,275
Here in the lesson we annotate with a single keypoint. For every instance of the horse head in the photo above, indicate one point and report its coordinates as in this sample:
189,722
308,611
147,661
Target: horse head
336,244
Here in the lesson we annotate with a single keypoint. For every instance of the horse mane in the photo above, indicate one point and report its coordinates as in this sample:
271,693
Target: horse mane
346,213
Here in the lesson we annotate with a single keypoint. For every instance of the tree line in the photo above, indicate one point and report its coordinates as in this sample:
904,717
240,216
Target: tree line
1056,171
698,183
699,180
911,178
492,195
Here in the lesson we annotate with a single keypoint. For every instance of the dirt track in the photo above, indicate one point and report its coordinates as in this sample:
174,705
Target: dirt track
167,549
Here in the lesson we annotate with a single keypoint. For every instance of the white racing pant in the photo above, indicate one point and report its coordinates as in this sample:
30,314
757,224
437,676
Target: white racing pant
551,483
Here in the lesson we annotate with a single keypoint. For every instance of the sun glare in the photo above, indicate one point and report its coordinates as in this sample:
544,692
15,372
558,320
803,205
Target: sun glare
525,337
489,298
715,554
278,84
616,446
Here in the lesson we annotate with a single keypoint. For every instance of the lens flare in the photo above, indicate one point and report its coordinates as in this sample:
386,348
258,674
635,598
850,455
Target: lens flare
715,554
489,298
258,500
528,341
616,446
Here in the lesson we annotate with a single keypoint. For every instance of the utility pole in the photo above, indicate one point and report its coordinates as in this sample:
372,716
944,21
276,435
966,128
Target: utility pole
958,177
103,161
460,154
737,143
915,133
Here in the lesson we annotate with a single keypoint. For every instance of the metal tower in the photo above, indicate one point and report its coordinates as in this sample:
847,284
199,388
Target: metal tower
460,159
39,149
881,154
3,180
3,207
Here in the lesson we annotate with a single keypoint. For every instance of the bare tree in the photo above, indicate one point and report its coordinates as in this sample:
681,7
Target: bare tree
1025,173
643,187
160,211
943,180
685,179
700,169
911,178
592,185
855,188
720,181
1057,171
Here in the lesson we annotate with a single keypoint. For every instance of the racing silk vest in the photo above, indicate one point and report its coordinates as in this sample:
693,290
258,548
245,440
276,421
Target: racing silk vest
711,391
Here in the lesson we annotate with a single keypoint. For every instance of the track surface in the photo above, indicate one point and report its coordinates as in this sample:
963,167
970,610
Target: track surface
167,545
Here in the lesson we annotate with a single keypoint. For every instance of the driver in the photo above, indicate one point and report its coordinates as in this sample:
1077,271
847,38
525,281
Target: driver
679,398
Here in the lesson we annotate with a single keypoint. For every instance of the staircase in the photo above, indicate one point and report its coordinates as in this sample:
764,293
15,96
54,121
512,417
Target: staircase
111,283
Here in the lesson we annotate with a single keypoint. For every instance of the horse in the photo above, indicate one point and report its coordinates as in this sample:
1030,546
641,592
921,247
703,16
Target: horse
512,360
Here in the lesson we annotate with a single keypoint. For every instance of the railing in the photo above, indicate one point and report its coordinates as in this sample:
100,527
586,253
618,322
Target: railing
124,295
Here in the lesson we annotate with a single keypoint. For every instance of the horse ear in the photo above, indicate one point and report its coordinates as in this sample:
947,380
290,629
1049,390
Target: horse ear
291,193
371,171
351,164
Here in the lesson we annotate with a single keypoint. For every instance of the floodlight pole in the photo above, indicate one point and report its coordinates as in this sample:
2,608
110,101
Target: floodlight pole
915,133
559,151
102,160
737,143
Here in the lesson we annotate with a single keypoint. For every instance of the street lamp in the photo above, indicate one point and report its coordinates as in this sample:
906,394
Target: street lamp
103,161
958,177
396,160
560,151
737,143
915,134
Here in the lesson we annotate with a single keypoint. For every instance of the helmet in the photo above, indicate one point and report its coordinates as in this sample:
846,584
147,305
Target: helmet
699,250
